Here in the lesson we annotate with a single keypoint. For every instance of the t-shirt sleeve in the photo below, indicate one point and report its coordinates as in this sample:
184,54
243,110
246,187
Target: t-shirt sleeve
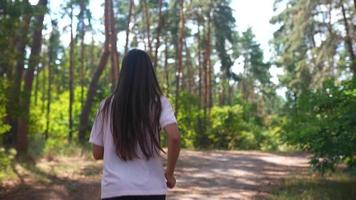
97,133
167,114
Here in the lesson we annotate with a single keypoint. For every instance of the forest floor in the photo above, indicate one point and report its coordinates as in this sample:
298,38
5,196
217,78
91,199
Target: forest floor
200,175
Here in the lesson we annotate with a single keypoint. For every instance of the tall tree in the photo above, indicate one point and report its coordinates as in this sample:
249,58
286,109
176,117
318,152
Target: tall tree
200,66
53,51
71,75
159,25
84,116
15,88
190,70
113,52
22,132
255,76
128,25
82,58
224,21
166,69
146,18
180,53
207,60
348,40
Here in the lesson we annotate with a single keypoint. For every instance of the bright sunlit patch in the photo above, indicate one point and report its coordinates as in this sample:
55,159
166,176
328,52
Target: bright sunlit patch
33,2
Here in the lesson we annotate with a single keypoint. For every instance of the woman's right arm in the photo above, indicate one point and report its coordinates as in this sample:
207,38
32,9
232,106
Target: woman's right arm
173,140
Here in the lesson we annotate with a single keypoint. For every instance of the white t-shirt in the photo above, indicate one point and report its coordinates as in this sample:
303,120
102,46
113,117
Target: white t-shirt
134,177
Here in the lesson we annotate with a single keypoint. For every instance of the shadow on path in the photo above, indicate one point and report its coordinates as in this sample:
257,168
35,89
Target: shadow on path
200,175
43,184
232,174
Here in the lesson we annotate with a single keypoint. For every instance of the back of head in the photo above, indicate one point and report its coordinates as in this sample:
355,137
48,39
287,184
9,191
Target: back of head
135,107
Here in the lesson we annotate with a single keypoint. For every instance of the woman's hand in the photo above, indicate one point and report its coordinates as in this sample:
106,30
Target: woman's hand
171,180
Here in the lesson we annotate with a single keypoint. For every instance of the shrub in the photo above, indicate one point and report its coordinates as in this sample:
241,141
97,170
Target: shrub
324,123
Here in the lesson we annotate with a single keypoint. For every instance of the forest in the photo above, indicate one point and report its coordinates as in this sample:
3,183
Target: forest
56,67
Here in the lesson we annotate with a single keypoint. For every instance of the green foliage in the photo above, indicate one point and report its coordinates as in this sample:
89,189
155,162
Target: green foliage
6,158
324,123
230,130
188,118
226,127
224,21
3,126
58,127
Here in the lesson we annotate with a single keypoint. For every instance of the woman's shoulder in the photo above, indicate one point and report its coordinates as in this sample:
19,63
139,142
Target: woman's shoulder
164,100
104,102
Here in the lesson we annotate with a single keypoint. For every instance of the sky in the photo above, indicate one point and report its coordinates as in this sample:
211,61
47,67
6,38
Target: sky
248,13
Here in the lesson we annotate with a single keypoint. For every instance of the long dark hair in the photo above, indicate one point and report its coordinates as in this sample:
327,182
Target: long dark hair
135,108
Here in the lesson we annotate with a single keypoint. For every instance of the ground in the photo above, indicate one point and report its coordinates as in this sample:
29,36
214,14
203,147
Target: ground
200,175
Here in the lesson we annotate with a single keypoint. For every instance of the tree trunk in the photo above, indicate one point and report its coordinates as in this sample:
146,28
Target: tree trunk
43,97
71,78
348,41
14,98
180,51
231,90
48,106
190,71
128,26
84,117
158,33
222,95
37,70
21,139
166,70
148,26
82,36
92,56
200,69
210,70
207,68
113,51
205,74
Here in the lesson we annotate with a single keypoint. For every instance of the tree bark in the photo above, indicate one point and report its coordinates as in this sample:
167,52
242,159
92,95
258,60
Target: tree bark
113,50
84,117
37,70
71,78
128,26
158,33
222,95
166,70
49,89
348,41
210,70
180,51
166,67
207,66
43,96
190,71
199,69
14,98
82,36
148,26
22,132
205,74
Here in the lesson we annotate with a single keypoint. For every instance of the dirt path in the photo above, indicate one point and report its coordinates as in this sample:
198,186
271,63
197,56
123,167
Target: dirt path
200,175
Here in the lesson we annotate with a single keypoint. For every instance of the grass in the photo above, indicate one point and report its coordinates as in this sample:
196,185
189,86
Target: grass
336,186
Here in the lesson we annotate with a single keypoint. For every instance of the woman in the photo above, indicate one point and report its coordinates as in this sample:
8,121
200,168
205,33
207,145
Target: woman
126,131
